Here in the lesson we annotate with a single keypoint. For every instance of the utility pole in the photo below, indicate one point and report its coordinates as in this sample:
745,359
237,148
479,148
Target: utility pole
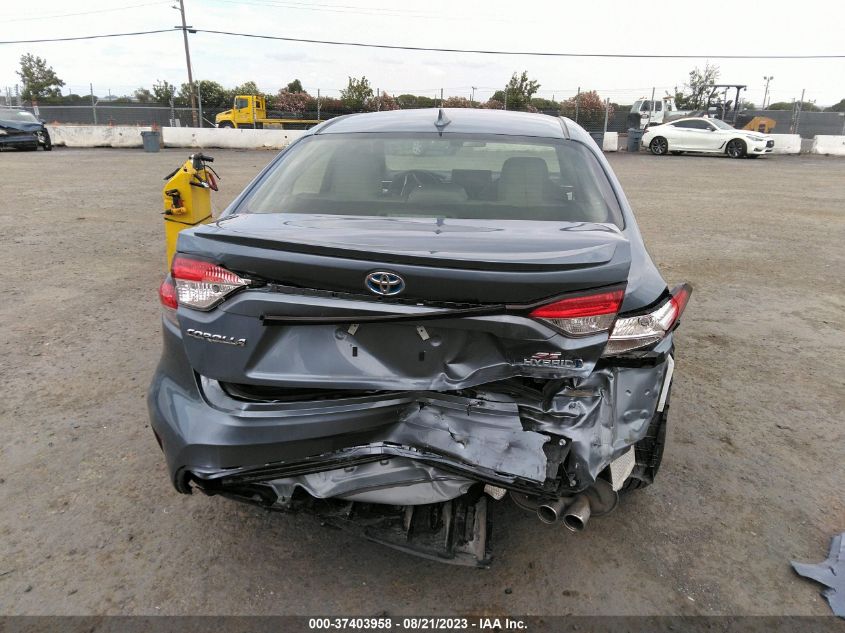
577,103
93,103
651,105
766,93
472,95
506,97
318,104
184,28
441,97
798,108
199,100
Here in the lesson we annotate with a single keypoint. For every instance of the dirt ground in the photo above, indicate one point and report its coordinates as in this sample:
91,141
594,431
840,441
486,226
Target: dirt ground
753,476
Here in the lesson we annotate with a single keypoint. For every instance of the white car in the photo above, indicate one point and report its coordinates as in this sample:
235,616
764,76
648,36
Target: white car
695,134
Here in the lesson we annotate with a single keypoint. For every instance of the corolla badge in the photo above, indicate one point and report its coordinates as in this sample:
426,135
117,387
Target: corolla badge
216,338
385,283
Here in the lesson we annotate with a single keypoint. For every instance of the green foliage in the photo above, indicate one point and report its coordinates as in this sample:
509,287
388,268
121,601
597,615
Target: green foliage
143,95
519,91
838,107
697,89
212,93
356,94
806,106
163,92
460,102
540,103
39,80
294,86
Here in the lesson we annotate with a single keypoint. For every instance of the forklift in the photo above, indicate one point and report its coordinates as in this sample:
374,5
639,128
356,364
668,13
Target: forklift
727,110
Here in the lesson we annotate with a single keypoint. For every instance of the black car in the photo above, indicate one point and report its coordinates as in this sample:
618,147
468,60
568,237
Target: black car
21,129
391,338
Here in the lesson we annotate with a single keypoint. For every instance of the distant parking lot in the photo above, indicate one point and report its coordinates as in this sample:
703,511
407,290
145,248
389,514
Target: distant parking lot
752,477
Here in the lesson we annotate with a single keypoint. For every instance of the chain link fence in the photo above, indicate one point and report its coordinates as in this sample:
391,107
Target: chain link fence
807,124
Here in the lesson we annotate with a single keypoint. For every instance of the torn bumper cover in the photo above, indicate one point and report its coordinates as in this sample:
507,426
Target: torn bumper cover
541,438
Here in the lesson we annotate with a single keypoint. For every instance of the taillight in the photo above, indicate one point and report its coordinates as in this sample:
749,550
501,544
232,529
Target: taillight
630,333
202,285
583,315
167,294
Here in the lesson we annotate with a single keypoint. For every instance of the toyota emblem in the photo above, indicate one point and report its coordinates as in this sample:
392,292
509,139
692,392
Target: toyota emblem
385,283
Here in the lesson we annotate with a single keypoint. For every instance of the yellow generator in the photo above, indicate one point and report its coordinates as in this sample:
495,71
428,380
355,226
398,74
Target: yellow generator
187,198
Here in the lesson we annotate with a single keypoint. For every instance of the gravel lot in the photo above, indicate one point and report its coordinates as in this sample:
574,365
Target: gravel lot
753,474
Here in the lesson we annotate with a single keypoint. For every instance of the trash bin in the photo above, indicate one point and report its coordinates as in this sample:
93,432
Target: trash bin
598,137
152,140
635,136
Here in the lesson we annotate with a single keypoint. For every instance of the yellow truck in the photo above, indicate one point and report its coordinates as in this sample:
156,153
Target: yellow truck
250,111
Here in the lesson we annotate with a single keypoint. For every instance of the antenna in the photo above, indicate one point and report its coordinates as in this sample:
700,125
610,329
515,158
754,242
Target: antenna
441,122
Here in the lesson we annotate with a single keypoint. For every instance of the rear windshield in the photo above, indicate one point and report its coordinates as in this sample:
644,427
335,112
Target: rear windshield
422,175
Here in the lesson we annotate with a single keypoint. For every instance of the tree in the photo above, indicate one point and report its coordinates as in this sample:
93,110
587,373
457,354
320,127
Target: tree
213,95
163,92
356,94
382,102
460,102
694,97
294,86
806,106
519,91
493,104
143,95
590,108
540,104
39,79
838,107
296,102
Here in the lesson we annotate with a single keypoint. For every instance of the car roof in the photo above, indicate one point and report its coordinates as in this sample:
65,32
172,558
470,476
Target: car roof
460,121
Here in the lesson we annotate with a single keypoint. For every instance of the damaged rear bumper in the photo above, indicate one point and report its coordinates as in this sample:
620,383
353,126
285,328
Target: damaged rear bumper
541,439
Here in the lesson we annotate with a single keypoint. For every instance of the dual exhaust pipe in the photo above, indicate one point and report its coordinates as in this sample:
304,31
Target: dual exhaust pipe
573,512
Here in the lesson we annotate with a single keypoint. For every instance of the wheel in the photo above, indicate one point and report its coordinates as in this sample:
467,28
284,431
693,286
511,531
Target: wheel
649,451
676,153
44,140
226,124
659,146
735,148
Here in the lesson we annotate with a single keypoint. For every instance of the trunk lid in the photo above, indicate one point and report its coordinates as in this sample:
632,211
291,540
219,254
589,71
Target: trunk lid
460,321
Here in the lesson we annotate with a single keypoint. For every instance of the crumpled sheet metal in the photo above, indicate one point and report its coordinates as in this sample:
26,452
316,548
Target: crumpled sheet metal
830,573
493,439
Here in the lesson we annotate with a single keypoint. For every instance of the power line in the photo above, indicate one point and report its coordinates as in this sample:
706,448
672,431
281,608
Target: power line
67,15
84,37
499,52
432,49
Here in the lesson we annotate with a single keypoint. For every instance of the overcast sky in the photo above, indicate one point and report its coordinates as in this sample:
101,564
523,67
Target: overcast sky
713,27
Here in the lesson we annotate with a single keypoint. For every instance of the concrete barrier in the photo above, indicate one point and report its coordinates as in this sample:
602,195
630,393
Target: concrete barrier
828,144
228,138
786,143
96,135
611,142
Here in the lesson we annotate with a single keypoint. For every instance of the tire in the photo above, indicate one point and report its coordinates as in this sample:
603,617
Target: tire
659,146
649,451
735,148
226,124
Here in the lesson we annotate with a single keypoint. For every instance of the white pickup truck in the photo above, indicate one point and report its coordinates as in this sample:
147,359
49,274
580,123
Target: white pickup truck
655,112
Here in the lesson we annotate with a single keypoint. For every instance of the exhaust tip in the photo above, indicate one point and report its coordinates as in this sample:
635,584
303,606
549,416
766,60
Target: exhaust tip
574,523
547,514
577,514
